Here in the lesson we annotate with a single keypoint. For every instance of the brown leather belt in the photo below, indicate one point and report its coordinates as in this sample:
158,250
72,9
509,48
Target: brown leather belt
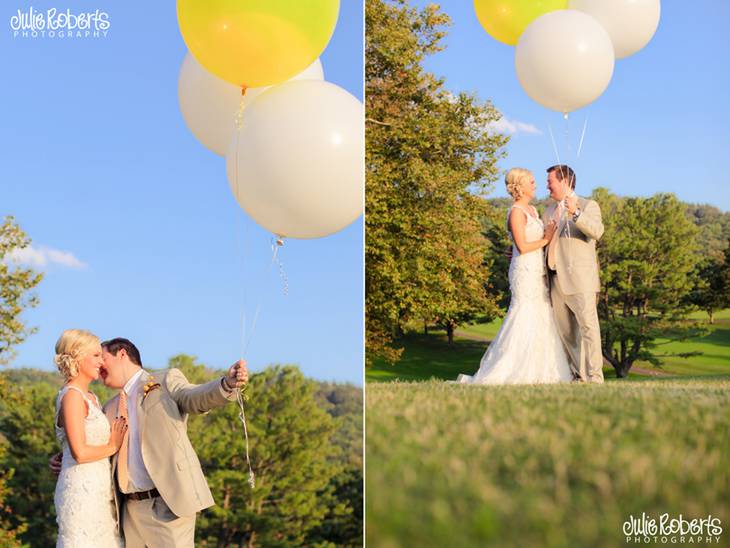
143,495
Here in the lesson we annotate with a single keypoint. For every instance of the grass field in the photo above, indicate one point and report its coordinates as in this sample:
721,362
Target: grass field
552,465
429,356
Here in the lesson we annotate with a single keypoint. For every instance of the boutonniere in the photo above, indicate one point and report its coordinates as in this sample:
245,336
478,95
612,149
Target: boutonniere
149,386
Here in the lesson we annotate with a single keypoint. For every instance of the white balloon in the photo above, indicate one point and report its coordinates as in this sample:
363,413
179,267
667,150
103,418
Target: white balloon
297,164
209,104
564,60
630,23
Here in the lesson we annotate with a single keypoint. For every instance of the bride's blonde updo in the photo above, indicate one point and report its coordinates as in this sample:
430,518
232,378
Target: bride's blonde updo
514,180
72,346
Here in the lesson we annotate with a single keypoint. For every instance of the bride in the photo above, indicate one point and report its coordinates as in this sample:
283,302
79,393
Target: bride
83,497
527,348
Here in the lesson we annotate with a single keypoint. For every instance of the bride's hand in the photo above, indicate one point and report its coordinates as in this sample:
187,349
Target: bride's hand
549,231
119,428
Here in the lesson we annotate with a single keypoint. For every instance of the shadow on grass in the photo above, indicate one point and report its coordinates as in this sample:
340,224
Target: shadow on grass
430,356
719,336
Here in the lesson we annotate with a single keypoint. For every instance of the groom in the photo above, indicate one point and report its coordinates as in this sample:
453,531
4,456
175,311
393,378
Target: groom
159,484
573,273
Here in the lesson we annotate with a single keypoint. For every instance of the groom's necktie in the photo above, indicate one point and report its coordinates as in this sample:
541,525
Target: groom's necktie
122,469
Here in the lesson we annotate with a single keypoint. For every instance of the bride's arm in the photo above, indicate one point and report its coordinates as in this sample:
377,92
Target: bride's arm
73,413
517,225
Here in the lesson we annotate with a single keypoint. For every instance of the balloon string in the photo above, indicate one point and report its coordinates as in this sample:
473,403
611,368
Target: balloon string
562,207
239,395
242,417
555,146
238,121
583,135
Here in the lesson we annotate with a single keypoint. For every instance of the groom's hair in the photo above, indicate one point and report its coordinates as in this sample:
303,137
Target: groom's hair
113,346
563,172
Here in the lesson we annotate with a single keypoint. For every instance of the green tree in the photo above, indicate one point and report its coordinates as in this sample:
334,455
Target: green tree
713,238
26,422
16,283
494,228
714,230
711,291
429,154
292,456
648,260
9,531
344,403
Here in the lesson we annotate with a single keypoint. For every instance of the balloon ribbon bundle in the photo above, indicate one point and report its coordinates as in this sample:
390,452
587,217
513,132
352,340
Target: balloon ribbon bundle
240,398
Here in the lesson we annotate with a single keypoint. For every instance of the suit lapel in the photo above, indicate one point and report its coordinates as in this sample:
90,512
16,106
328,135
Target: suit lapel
139,400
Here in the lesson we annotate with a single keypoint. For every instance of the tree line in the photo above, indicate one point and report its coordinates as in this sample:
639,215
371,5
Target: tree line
306,451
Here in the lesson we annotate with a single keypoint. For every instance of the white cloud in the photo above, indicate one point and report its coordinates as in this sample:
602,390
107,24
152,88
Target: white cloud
41,257
505,125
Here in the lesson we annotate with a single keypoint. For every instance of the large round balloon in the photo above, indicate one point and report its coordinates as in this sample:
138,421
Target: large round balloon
564,60
505,20
630,23
256,43
209,104
296,165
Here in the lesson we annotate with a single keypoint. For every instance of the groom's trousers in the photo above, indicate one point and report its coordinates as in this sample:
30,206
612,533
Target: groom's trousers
150,523
577,319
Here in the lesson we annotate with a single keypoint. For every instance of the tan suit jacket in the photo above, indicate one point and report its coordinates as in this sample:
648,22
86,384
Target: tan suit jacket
574,246
166,450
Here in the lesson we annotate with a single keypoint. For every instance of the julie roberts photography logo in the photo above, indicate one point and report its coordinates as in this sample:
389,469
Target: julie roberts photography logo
55,23
672,530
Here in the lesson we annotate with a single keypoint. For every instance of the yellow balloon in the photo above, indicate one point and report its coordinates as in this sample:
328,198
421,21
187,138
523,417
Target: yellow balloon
256,43
505,20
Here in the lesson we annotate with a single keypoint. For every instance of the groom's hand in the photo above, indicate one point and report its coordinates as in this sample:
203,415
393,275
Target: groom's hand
237,375
54,463
571,202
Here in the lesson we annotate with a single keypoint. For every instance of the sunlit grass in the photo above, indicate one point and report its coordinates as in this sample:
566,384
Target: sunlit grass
555,465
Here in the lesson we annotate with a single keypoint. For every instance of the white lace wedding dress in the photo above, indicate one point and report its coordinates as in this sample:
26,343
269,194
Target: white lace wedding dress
83,498
527,348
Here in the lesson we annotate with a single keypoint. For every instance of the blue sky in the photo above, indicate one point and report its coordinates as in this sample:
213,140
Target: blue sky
663,124
141,235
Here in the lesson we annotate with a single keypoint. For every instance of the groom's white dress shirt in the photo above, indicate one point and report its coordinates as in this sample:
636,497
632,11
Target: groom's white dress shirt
139,478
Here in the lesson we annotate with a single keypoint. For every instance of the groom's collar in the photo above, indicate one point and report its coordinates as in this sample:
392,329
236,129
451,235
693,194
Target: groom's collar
132,381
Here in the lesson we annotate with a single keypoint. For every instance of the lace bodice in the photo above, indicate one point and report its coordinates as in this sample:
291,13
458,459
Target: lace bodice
96,425
526,271
83,497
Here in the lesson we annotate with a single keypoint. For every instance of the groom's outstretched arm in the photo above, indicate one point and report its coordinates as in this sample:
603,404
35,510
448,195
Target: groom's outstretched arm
198,398
589,221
